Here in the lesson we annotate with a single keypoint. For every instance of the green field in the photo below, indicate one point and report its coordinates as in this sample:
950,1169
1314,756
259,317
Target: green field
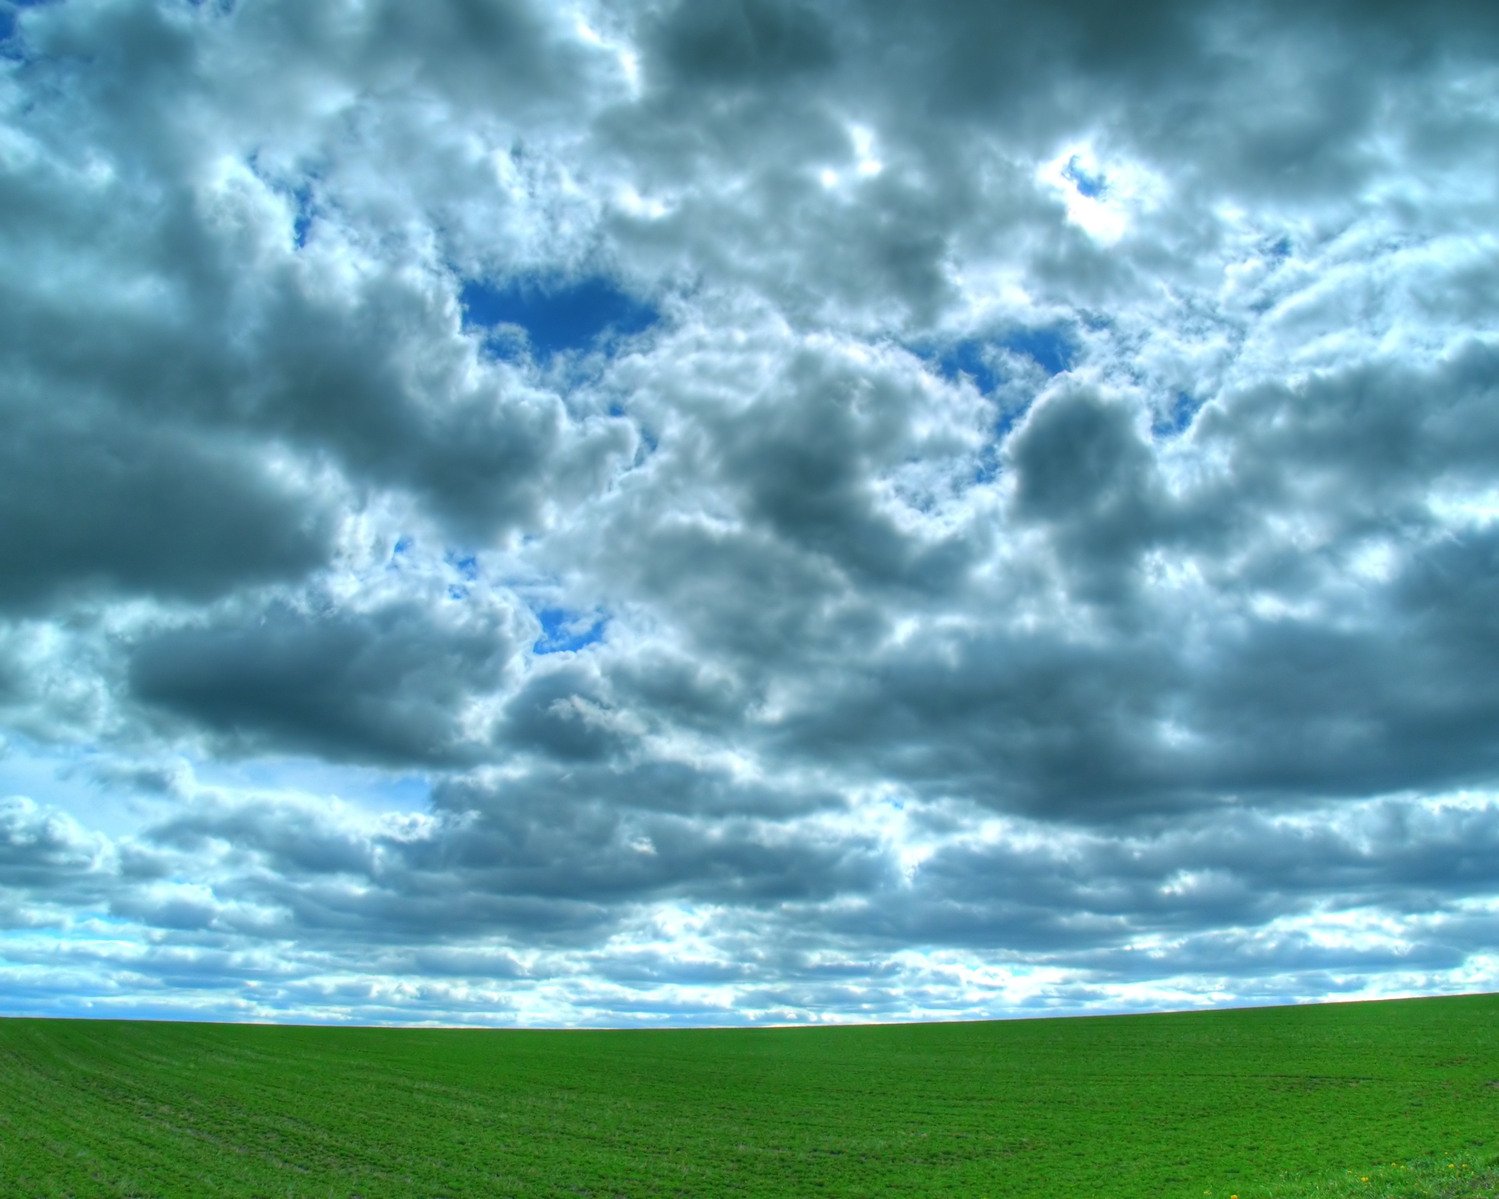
1295,1102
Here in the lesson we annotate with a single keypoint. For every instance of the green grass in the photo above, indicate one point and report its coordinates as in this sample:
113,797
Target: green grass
1293,1103
1456,1178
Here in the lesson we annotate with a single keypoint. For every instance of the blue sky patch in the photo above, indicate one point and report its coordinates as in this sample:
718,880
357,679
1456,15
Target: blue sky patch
302,220
1178,419
1051,349
1088,183
988,468
301,197
555,317
1009,418
966,357
10,40
465,564
399,551
565,632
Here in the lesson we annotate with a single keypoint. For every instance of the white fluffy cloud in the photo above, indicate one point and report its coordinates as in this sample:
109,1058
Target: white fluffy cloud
770,511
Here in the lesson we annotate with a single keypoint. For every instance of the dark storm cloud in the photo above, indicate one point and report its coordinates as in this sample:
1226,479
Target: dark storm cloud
105,505
1084,471
561,713
806,460
562,860
785,508
755,43
387,685
1188,81
500,55
613,837
359,380
1041,725
1390,707
132,304
1237,871
1130,702
1285,106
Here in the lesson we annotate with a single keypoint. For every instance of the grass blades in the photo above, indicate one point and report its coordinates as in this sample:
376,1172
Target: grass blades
1294,1103
1460,1177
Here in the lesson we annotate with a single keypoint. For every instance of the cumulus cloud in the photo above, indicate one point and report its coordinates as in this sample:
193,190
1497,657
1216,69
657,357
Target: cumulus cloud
772,511
391,685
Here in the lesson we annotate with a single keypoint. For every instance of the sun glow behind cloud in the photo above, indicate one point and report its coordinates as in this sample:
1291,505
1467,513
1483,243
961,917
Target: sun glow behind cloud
1104,199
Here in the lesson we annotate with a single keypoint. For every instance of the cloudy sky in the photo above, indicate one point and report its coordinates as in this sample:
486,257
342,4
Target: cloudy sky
732,511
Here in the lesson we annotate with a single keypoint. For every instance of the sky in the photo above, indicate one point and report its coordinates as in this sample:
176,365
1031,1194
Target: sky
543,512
